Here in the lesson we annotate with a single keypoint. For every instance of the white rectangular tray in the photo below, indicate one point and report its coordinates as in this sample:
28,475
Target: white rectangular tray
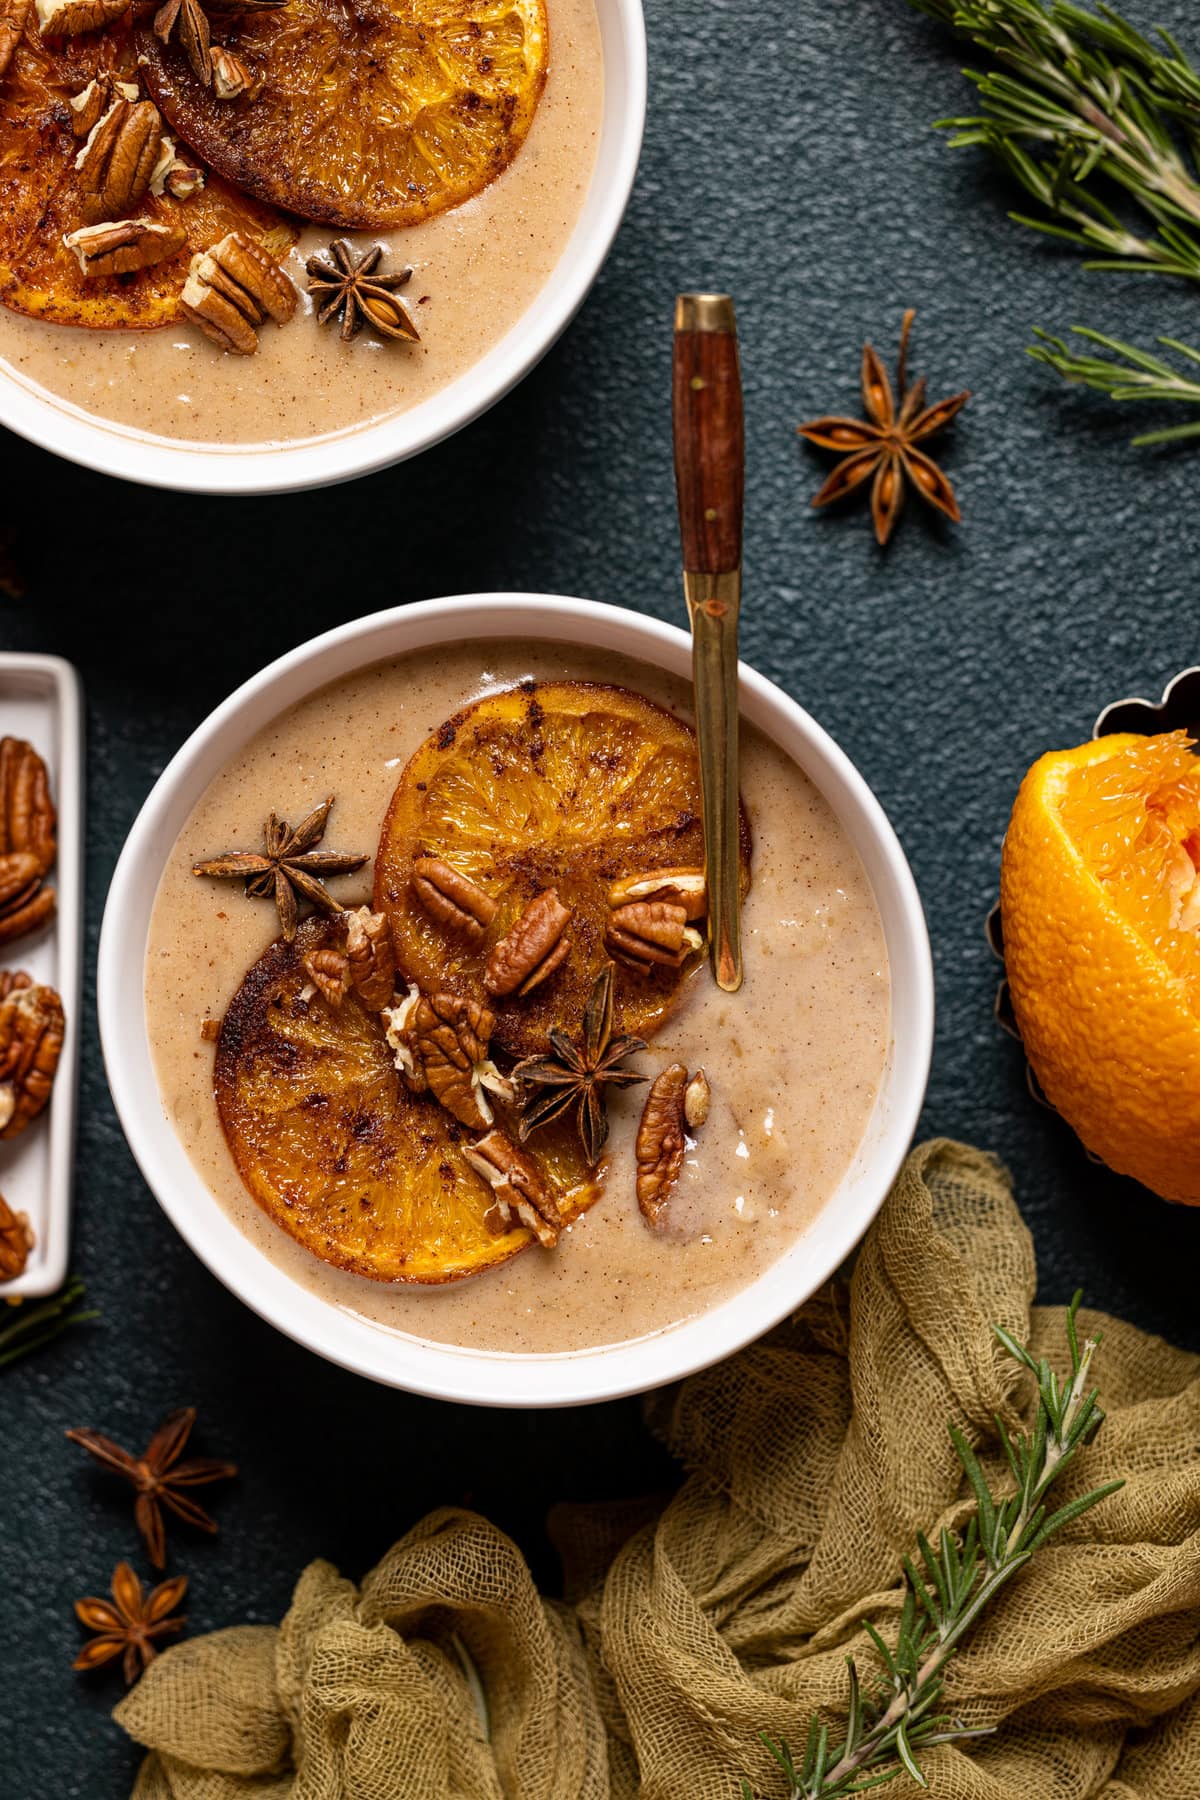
40,700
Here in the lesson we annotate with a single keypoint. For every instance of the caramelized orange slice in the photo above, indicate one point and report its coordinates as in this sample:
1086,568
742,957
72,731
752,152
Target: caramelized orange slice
337,1151
551,785
375,114
41,199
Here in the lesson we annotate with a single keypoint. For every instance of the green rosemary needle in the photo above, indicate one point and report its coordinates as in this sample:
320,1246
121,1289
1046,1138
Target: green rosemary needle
33,1326
1071,98
945,1594
1126,374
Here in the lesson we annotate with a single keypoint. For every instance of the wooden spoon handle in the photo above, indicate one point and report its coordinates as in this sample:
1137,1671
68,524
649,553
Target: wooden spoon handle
710,451
710,482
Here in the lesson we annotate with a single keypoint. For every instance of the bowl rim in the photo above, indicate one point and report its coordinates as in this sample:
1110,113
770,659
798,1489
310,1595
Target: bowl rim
65,430
394,1358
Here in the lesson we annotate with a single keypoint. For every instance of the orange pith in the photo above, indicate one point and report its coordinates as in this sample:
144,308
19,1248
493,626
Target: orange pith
338,1152
372,113
41,198
1100,895
562,784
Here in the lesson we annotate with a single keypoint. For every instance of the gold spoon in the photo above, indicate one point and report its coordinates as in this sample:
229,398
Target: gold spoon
710,484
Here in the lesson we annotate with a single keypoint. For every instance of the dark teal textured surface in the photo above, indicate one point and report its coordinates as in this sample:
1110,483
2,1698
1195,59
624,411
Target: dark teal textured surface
788,158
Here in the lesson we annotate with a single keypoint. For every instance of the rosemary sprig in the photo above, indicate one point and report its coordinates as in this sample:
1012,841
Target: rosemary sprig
946,1594
34,1326
1128,374
1073,95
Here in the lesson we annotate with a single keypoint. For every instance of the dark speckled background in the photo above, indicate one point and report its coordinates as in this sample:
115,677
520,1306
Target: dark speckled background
789,158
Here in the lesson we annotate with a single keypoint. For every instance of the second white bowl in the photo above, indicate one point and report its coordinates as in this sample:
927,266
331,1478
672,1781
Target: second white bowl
460,1373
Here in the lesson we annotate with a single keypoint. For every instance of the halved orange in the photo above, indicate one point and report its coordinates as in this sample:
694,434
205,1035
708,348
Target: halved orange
563,784
1100,894
336,1149
372,114
41,200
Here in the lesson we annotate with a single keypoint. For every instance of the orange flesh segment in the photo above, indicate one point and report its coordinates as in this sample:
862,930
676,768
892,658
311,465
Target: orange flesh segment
1133,819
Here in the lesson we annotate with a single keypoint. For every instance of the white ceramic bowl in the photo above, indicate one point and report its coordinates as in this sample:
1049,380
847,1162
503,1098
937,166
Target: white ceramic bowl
138,457
488,1377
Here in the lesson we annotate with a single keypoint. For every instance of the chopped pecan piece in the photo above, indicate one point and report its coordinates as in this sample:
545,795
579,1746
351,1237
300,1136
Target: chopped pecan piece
452,899
650,932
67,18
371,957
697,1096
210,1030
673,1106
682,887
13,14
521,1195
89,106
16,1241
398,1023
118,247
31,1039
27,816
533,948
172,175
120,156
450,1036
233,288
329,971
231,76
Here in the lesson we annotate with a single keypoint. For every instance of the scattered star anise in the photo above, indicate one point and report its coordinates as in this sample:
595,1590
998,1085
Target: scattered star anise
349,285
883,444
158,1475
129,1623
287,866
577,1074
189,19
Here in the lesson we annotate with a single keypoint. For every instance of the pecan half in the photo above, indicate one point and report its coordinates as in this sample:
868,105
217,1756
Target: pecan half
27,913
452,899
31,1039
27,817
329,971
120,247
673,1105
450,1036
67,18
16,1241
233,288
371,957
647,933
533,948
20,878
11,980
13,14
682,887
120,156
521,1195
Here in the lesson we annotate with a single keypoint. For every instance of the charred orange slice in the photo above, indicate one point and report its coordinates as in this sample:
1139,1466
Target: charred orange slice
367,114
339,1153
563,786
41,198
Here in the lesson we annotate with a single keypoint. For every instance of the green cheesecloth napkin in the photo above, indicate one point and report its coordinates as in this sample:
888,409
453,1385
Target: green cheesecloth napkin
810,1460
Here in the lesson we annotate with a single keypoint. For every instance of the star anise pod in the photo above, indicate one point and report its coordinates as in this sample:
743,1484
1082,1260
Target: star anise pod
884,444
189,20
287,866
158,1475
577,1074
346,284
129,1623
